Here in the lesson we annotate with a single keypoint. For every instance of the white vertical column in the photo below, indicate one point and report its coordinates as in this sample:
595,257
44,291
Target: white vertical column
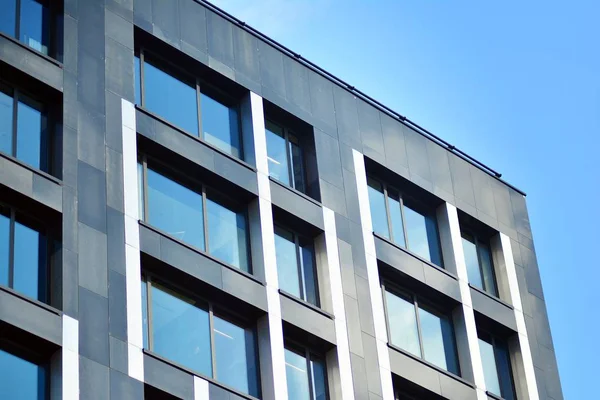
523,341
201,391
381,338
70,358
270,328
454,258
346,387
133,289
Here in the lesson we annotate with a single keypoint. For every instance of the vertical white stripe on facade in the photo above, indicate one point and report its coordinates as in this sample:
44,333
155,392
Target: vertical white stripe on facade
135,366
70,358
337,299
373,277
511,272
450,229
276,364
200,389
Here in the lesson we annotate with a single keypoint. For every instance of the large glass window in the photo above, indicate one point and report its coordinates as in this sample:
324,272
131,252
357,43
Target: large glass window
305,374
496,366
296,265
478,258
187,103
191,333
199,217
421,330
21,378
404,221
285,156
24,132
27,20
24,254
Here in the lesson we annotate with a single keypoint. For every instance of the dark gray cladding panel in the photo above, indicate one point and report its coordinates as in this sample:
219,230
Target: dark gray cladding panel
93,327
307,319
328,158
32,63
294,203
491,308
168,378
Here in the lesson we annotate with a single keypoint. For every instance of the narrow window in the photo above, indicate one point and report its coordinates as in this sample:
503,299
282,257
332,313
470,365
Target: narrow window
480,267
285,157
29,21
24,252
421,330
188,332
198,216
305,375
496,366
22,378
296,265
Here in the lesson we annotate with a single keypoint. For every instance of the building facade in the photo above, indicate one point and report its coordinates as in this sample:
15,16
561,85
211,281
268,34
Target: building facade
190,210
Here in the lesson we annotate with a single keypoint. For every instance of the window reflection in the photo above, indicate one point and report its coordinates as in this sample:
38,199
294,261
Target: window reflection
478,258
22,379
6,119
285,156
227,234
403,324
305,375
496,366
220,125
378,209
33,28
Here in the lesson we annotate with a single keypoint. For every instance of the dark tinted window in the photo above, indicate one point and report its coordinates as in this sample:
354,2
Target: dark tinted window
34,20
305,375
480,267
285,156
495,359
22,379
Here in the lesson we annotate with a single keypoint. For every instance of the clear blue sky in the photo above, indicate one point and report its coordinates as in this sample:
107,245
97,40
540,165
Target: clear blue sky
515,84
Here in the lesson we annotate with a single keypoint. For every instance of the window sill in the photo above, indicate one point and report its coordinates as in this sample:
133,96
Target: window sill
31,300
202,253
192,372
493,396
30,168
296,191
32,50
418,257
196,138
306,304
492,297
435,367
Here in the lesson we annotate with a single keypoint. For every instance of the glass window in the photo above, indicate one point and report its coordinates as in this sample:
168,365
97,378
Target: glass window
180,330
138,80
406,225
227,239
27,137
23,267
296,265
235,356
175,209
220,125
305,375
421,331
187,332
34,22
496,366
22,379
212,223
480,268
378,208
171,98
285,157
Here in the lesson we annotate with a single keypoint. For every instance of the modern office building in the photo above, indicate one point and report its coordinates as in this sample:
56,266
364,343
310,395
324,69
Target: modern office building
190,210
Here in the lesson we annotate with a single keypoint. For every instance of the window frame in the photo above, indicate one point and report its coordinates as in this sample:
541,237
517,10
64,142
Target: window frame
300,265
306,352
217,94
201,188
212,308
288,155
47,139
402,197
418,302
477,241
492,342
41,228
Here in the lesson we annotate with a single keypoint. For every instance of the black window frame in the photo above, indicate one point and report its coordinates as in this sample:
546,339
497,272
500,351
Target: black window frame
54,36
48,140
201,188
297,237
427,305
25,353
18,215
423,209
287,132
308,353
494,339
477,240
168,67
212,308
